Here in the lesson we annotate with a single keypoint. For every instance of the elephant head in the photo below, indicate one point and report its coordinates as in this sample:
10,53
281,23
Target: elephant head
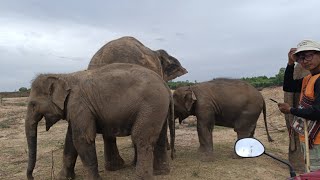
184,100
47,99
171,67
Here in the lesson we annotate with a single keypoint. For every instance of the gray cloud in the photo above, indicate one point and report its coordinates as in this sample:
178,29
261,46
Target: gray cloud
210,38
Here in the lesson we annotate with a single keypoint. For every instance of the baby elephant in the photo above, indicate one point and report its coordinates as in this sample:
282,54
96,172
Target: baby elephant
224,102
115,100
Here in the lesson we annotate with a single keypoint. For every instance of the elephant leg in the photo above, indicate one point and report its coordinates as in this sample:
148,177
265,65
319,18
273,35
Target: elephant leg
113,160
83,136
205,124
144,168
160,162
87,153
69,157
252,132
145,135
245,128
134,162
240,135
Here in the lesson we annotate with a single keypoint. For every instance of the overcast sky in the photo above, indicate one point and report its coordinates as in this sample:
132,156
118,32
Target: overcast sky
229,38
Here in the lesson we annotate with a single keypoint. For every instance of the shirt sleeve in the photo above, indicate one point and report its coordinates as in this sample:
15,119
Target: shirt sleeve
312,113
289,84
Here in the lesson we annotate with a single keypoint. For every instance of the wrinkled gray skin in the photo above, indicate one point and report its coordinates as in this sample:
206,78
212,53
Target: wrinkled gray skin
223,102
131,100
130,50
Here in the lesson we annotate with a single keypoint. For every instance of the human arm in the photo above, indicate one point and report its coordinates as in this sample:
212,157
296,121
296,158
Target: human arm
289,84
313,112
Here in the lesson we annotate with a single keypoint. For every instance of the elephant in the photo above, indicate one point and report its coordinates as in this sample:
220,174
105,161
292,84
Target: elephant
224,102
115,100
129,50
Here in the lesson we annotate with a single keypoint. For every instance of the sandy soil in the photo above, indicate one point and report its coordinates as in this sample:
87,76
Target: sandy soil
13,151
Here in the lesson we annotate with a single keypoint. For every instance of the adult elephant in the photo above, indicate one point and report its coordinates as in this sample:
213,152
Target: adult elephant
223,102
130,50
115,100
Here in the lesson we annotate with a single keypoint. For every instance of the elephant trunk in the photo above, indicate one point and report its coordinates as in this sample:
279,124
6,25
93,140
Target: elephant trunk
31,127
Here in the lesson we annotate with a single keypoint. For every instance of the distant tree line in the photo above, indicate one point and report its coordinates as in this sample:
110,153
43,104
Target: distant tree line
258,82
175,85
264,81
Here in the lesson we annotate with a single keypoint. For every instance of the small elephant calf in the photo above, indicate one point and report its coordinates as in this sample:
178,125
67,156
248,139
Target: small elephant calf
117,99
224,102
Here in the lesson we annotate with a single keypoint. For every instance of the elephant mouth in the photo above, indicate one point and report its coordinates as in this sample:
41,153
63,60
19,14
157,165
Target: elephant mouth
176,73
50,121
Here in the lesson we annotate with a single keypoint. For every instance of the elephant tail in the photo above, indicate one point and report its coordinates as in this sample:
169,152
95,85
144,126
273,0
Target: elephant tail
265,121
171,126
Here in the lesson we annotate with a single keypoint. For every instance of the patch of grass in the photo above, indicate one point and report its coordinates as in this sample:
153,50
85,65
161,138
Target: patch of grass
3,125
21,104
196,172
10,120
7,122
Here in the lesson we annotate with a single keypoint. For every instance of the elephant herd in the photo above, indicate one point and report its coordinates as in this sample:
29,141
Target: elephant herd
124,92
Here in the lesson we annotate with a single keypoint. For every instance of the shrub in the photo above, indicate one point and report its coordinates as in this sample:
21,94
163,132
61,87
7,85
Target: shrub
23,89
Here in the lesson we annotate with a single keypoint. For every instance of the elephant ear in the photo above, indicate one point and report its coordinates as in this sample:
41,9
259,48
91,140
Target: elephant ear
58,91
190,99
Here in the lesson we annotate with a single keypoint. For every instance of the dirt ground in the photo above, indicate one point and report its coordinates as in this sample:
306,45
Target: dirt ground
13,151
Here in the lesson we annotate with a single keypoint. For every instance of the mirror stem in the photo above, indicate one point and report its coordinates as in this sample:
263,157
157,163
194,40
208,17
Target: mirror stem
292,173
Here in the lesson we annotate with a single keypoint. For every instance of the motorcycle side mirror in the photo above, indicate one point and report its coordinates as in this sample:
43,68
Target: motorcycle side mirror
249,147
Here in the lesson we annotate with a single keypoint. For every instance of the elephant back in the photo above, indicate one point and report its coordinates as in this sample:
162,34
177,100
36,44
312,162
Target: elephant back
231,92
126,50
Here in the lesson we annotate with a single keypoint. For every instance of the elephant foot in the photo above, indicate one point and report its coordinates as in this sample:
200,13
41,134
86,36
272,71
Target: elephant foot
207,157
65,174
114,165
202,149
163,169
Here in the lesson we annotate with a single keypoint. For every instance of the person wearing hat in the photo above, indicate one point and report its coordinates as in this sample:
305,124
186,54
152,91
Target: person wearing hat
307,54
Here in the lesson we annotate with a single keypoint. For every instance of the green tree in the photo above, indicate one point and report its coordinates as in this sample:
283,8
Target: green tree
23,89
279,77
264,81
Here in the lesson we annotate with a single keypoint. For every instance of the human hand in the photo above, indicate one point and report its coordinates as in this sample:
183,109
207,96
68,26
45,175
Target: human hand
291,56
284,108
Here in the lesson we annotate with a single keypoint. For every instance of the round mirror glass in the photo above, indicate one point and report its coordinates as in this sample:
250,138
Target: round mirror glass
249,147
